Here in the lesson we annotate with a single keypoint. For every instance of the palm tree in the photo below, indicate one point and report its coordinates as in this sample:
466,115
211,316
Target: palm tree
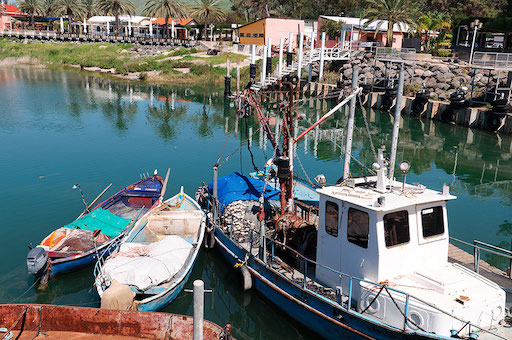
208,11
31,7
47,8
401,12
116,8
89,8
432,22
165,9
70,8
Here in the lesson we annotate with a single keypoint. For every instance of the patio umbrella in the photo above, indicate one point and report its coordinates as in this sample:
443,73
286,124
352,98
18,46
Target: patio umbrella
61,25
85,27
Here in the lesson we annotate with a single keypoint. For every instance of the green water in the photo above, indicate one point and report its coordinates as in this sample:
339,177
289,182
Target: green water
58,129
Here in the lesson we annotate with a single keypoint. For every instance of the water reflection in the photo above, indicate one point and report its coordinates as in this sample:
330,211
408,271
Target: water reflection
48,116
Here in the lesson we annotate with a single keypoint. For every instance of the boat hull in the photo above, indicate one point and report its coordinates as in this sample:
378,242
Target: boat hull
308,308
68,265
59,321
160,302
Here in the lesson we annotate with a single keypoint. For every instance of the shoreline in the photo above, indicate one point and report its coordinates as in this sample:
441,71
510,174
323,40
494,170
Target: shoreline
154,65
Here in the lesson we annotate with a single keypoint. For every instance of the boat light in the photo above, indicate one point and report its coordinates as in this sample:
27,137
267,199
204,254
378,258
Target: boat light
320,179
404,166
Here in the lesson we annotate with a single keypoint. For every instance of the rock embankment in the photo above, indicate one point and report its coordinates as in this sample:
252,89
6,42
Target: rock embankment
440,76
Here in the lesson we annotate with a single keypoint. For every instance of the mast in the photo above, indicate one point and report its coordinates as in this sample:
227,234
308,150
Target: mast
396,123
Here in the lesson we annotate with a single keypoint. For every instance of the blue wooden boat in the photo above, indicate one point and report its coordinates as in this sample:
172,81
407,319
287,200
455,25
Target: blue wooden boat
370,262
79,243
155,258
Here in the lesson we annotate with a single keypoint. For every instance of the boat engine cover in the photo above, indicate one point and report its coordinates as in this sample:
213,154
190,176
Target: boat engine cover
37,258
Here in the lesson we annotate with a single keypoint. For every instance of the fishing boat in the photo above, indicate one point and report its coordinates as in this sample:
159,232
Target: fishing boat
80,243
35,321
371,263
155,258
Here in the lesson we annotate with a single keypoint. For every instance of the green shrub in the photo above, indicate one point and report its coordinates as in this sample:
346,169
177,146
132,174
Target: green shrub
443,52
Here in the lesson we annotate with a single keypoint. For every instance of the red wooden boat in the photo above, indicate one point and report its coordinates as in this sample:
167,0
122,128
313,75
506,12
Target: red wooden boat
33,321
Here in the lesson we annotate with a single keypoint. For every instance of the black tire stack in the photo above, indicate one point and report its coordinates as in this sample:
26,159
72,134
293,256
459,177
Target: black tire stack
457,102
494,117
419,102
388,97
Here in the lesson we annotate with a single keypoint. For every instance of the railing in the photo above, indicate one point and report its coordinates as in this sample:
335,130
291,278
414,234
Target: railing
407,297
491,60
94,36
479,246
394,53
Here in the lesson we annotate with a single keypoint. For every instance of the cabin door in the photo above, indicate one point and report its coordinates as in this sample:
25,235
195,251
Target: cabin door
329,242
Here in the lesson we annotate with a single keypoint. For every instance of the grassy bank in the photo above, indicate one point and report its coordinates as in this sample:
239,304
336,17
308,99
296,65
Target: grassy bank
178,65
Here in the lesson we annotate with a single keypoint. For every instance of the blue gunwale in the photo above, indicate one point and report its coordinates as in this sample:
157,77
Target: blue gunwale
75,262
323,316
159,300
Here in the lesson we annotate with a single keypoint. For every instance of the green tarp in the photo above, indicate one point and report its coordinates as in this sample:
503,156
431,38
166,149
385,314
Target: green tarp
109,224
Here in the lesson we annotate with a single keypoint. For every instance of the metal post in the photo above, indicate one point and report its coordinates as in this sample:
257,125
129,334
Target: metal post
253,54
263,250
280,62
322,49
237,79
198,309
215,176
350,125
264,65
396,123
301,46
472,46
476,259
311,48
406,310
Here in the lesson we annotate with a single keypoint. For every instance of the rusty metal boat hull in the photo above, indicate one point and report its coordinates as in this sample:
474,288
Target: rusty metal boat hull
32,320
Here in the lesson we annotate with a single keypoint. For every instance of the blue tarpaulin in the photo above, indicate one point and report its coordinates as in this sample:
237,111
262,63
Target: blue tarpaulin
237,187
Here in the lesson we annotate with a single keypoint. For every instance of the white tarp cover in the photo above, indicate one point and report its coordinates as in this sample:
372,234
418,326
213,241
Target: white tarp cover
145,266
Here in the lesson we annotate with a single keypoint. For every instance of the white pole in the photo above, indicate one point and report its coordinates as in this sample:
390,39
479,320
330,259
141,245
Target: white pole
396,123
85,27
172,29
350,126
129,26
61,25
150,28
280,64
301,46
290,37
322,49
198,309
253,54
264,65
108,27
269,49
472,46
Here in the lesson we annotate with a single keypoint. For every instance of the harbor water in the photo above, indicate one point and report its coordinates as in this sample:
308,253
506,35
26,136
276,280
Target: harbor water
59,128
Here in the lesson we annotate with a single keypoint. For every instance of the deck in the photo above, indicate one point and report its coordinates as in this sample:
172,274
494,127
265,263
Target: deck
466,259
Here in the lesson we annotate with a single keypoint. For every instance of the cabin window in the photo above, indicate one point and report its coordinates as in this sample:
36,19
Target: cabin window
255,35
432,221
331,218
396,228
261,35
242,34
358,227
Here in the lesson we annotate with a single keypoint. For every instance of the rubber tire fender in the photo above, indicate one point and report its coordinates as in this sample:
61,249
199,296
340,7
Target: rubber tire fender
246,277
493,122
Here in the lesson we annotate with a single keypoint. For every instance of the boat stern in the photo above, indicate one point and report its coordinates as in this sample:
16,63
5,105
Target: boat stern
37,261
